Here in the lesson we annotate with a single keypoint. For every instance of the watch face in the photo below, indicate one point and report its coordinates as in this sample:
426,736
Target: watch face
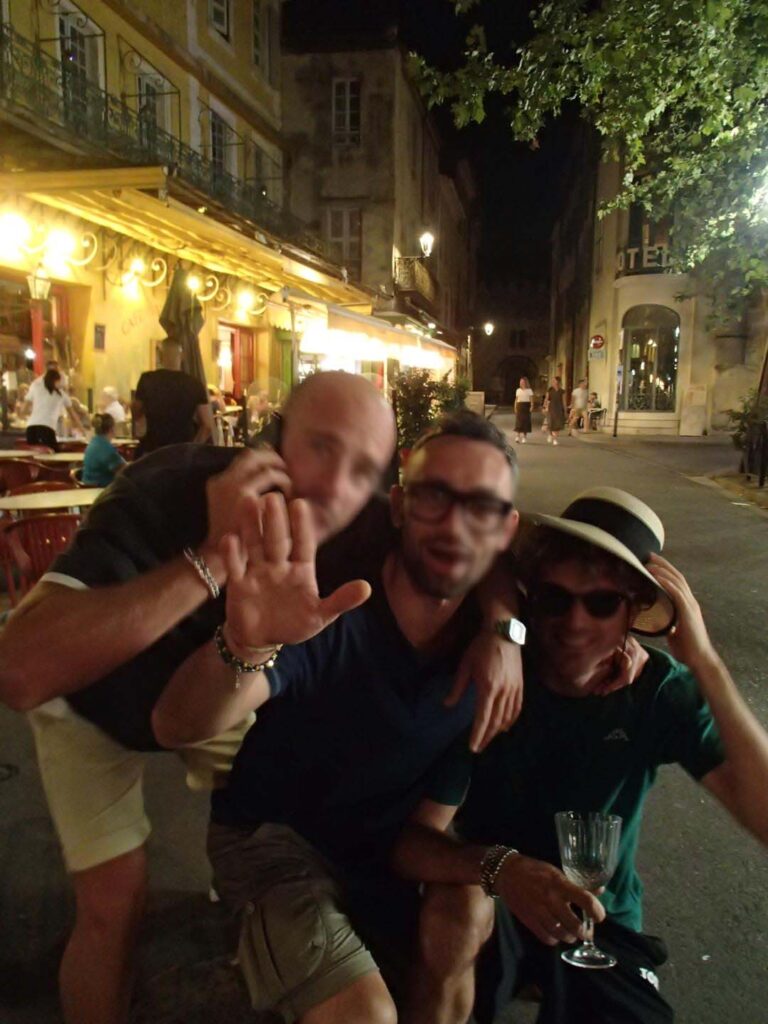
512,629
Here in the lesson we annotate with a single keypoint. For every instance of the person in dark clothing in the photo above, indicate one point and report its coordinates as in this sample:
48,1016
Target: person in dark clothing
172,404
351,723
591,575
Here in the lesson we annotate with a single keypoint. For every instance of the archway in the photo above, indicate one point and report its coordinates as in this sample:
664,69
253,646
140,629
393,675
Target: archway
650,350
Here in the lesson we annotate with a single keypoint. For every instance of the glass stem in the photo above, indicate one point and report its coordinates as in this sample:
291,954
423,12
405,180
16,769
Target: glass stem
589,930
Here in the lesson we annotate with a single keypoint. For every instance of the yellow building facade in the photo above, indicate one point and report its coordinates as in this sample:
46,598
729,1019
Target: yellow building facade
139,140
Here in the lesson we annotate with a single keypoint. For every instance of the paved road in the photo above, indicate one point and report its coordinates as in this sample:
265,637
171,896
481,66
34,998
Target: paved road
707,883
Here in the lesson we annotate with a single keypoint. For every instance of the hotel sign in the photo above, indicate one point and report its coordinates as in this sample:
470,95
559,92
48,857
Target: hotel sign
638,258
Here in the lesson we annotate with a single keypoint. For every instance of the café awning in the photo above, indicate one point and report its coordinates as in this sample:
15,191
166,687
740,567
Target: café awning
143,203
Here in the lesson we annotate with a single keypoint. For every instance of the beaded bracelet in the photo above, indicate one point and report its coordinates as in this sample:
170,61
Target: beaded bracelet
201,568
490,868
240,666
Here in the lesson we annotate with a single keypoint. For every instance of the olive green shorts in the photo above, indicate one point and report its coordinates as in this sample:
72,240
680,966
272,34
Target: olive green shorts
297,946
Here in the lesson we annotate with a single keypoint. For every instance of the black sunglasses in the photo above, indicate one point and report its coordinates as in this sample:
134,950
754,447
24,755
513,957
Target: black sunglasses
554,601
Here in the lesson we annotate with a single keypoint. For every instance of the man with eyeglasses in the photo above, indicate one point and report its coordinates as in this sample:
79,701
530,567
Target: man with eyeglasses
591,575
350,724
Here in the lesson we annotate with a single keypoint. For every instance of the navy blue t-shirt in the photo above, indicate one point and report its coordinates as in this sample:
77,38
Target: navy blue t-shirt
347,746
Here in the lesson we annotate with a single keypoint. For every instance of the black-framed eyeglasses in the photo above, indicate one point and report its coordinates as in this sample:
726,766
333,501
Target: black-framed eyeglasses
554,601
431,503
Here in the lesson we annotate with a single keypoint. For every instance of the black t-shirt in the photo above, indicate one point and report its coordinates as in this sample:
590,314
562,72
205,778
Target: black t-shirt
170,399
154,509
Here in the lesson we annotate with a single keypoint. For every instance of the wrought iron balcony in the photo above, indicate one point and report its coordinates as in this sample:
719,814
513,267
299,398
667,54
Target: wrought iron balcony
412,276
39,90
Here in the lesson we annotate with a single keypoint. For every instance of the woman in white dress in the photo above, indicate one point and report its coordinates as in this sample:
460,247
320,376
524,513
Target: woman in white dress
523,404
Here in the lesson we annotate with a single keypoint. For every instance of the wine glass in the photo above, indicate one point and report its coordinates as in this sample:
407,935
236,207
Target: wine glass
589,849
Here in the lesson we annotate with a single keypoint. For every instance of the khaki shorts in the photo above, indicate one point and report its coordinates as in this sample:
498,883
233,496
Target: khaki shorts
94,785
297,946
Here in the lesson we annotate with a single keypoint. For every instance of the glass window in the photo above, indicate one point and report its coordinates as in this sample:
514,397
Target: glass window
219,133
650,352
346,110
218,16
344,239
256,32
272,29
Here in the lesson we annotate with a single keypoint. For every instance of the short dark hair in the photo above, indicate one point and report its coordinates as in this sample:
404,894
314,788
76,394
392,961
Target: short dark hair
540,547
468,424
103,422
51,380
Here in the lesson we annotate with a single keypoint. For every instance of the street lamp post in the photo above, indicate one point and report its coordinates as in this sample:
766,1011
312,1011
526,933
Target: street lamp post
39,284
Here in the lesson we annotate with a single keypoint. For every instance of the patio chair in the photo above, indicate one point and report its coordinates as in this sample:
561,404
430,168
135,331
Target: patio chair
27,447
16,472
29,546
76,477
41,485
72,446
53,473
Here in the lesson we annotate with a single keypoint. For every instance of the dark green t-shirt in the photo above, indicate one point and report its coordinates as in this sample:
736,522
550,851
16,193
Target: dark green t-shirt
587,754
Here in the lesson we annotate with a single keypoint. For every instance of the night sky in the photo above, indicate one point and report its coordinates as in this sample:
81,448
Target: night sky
519,188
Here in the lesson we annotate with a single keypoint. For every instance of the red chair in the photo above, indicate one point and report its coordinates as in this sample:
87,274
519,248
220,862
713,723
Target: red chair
29,546
53,472
72,446
33,447
41,485
16,472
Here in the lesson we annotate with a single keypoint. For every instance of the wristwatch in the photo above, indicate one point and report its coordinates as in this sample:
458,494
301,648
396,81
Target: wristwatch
511,629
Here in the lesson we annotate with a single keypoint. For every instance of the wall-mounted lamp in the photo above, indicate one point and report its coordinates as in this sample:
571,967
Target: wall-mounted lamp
427,241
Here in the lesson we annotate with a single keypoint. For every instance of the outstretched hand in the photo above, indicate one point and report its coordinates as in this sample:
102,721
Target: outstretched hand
272,594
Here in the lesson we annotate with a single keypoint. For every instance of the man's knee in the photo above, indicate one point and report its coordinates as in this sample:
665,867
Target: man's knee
455,923
110,897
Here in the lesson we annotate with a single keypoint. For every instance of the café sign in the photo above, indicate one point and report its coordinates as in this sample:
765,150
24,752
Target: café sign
642,257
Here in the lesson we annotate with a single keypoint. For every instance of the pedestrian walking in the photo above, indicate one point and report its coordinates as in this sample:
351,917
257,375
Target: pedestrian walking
523,406
555,410
578,411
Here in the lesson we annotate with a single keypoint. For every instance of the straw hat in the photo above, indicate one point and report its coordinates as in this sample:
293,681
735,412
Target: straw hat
626,528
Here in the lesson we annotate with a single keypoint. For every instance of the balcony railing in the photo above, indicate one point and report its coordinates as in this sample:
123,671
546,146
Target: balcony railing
413,276
57,95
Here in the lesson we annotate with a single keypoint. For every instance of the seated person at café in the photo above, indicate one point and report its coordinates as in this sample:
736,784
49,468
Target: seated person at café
101,460
592,575
110,402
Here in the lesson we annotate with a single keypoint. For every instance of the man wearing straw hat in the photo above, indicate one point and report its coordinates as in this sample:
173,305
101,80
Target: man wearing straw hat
592,576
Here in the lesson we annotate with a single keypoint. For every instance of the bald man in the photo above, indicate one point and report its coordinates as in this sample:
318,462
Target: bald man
136,594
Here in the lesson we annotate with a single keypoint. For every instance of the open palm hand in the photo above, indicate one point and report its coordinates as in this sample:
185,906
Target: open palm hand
272,594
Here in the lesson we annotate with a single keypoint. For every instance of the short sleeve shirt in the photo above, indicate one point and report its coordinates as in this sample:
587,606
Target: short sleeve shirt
589,754
154,509
47,406
524,395
345,750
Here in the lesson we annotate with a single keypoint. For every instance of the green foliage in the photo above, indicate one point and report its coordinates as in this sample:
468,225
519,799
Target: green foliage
753,409
419,401
677,89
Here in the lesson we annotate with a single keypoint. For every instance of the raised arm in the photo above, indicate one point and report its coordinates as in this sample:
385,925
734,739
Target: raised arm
272,599
740,783
60,639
